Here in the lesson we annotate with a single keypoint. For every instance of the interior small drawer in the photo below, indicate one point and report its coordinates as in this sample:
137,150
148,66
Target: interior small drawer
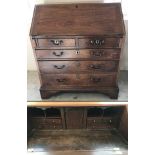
98,123
54,121
50,42
99,42
99,120
46,123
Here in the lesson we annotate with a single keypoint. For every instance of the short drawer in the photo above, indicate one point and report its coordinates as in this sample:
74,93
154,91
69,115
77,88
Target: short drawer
65,80
49,42
53,121
103,54
99,42
56,54
77,66
46,123
100,123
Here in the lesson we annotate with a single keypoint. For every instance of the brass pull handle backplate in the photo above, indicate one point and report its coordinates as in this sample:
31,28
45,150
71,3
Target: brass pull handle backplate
60,80
97,42
56,41
59,67
56,54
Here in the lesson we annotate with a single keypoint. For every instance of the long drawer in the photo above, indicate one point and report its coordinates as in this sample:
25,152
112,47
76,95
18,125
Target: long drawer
47,123
101,122
103,54
65,80
77,66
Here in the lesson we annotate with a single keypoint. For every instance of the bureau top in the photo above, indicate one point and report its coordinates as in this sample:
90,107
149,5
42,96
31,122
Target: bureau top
77,19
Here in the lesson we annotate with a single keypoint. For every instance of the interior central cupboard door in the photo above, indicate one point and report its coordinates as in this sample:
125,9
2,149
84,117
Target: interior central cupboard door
74,118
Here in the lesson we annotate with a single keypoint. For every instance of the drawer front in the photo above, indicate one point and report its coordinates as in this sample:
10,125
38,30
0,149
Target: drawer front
57,67
65,80
100,123
98,66
47,123
99,42
53,121
77,66
56,54
104,54
48,43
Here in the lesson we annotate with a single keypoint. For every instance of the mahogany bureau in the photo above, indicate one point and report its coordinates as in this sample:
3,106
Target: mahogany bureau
77,47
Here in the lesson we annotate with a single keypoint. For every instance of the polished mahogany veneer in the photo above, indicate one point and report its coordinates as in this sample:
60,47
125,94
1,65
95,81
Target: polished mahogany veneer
78,47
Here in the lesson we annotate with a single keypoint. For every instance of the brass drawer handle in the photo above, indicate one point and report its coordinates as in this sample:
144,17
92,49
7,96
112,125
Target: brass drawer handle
98,66
97,53
56,42
56,54
94,79
60,80
59,67
97,42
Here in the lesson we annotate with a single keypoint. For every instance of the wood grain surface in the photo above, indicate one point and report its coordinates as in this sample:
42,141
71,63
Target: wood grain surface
79,19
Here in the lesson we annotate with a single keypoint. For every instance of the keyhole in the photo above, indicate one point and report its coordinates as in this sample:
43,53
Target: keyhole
77,52
76,6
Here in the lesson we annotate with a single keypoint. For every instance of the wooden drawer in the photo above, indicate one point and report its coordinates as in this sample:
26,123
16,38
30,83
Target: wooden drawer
46,123
100,123
99,42
74,80
54,121
57,43
77,66
103,54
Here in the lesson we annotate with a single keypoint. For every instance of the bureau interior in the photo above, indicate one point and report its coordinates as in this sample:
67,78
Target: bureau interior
77,128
